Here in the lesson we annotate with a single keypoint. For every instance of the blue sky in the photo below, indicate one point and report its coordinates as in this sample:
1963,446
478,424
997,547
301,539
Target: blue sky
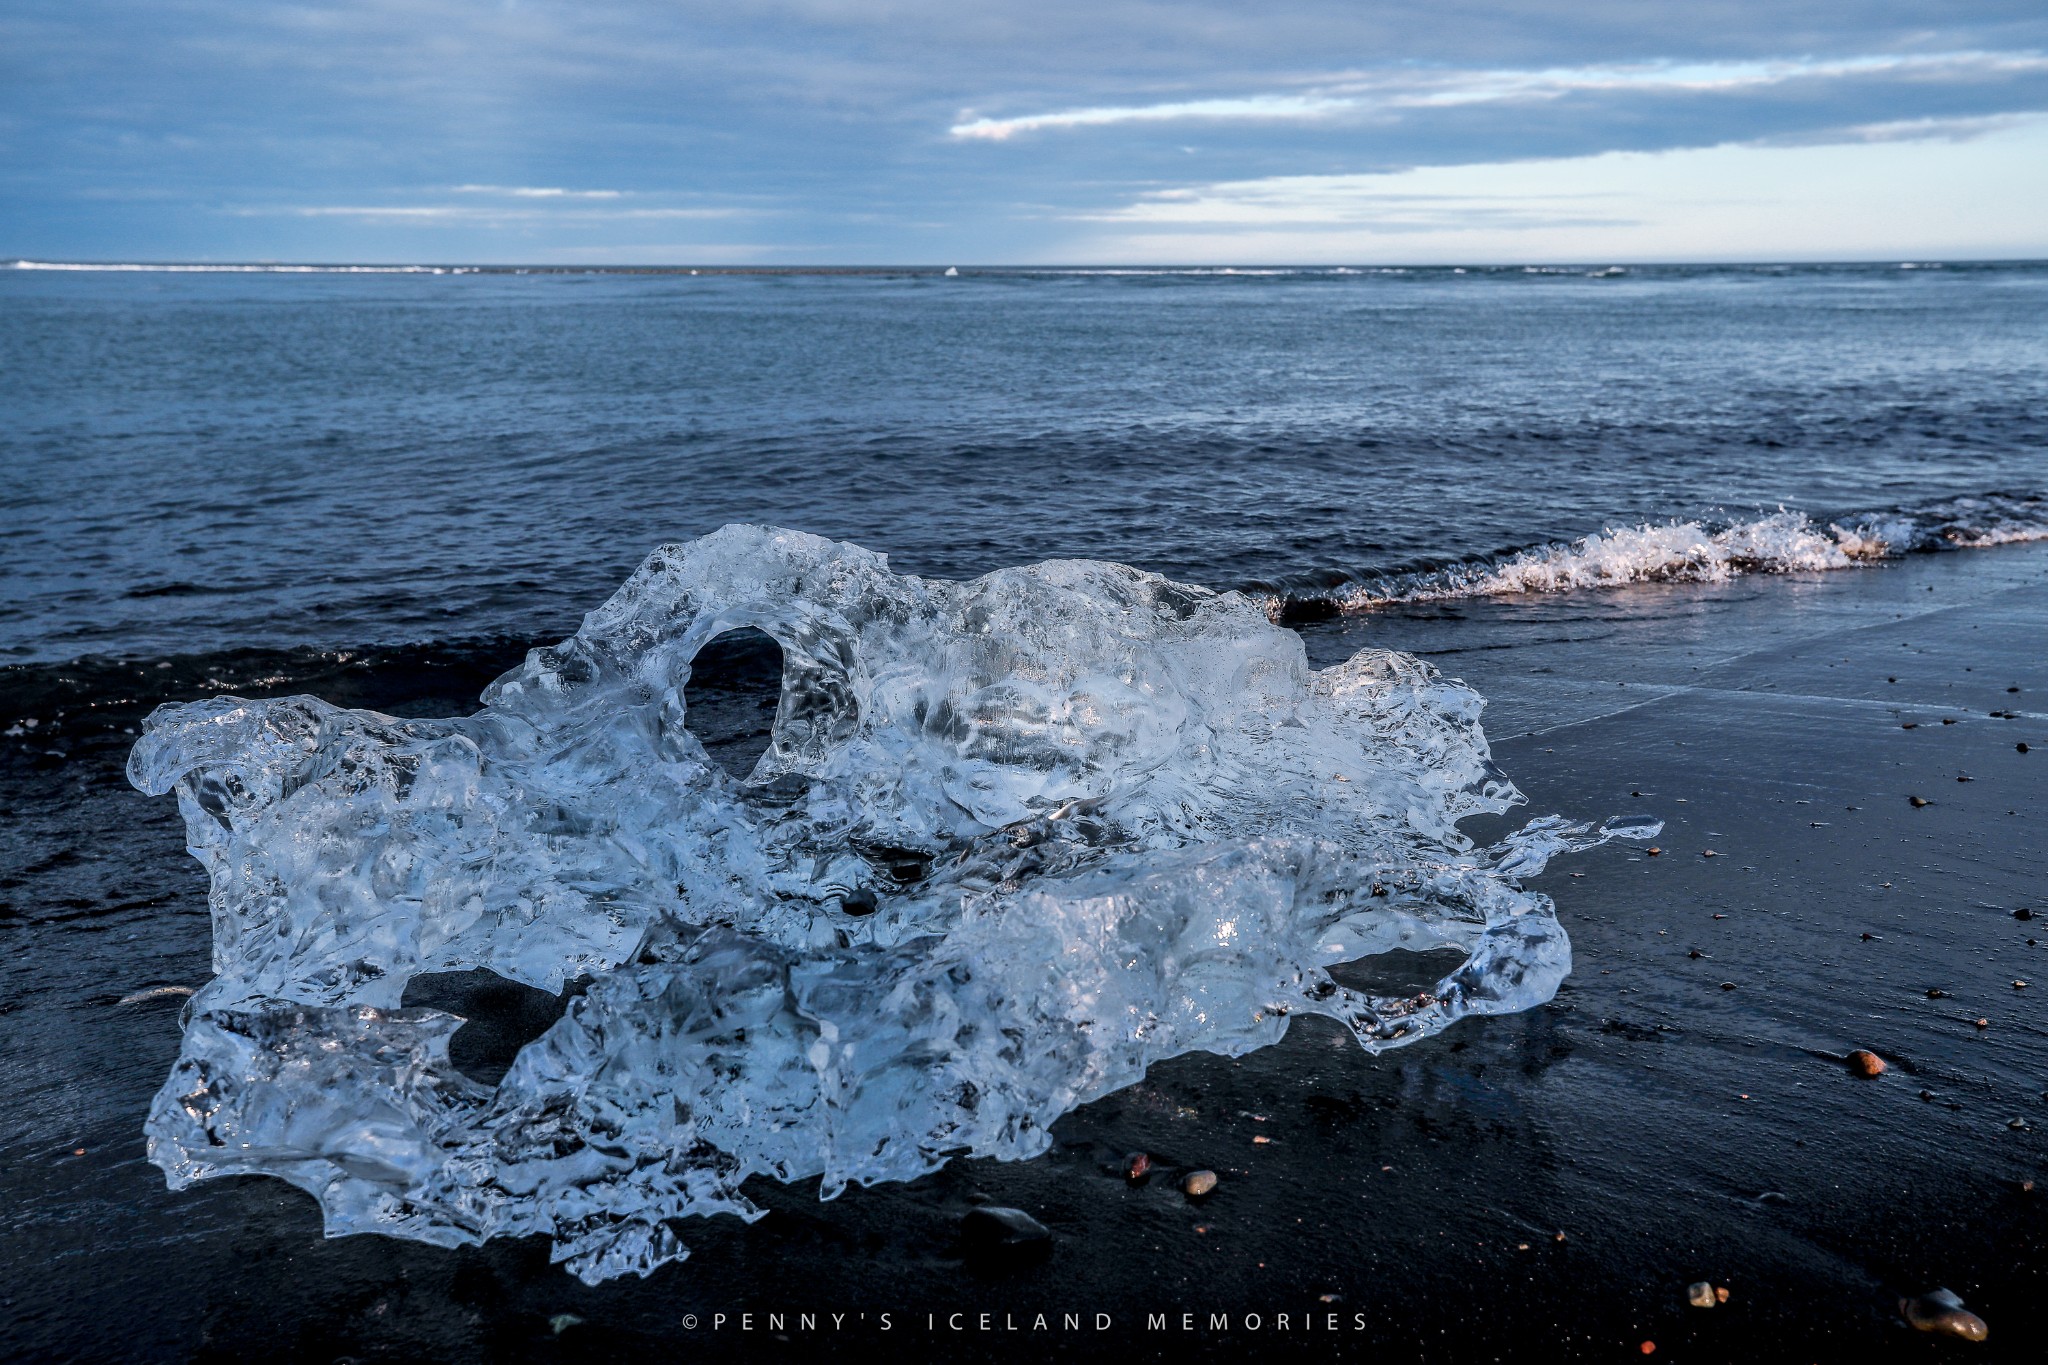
930,131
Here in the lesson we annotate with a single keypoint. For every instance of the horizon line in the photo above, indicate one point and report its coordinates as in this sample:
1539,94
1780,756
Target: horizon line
1898,260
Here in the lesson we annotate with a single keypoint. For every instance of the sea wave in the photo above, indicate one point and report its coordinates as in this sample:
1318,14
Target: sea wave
1703,550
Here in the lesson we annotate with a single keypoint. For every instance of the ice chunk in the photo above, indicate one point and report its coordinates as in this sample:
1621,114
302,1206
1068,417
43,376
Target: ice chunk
1011,842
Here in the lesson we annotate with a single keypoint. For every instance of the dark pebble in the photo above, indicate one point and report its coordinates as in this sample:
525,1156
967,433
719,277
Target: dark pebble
1137,1166
2021,746
2023,913
1917,801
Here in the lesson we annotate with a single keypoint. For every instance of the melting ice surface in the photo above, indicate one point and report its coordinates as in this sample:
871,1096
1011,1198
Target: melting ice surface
1013,841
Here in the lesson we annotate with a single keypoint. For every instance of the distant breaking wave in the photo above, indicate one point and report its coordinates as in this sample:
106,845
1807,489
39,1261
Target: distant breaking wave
203,268
1687,551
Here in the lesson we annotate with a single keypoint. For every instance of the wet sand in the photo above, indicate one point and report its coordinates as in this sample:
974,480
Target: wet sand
1538,1187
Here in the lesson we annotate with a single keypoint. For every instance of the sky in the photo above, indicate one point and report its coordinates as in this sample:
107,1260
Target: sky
819,132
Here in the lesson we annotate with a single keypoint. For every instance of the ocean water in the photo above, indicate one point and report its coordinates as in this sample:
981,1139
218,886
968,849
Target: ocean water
208,461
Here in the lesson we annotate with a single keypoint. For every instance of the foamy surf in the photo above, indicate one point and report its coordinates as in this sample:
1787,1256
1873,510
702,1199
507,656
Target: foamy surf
1693,551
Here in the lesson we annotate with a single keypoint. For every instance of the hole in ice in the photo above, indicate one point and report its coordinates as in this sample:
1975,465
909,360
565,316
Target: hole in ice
730,703
1396,972
503,1017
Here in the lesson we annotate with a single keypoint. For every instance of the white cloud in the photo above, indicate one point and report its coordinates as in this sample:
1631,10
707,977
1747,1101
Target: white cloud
469,215
1929,195
538,192
1428,87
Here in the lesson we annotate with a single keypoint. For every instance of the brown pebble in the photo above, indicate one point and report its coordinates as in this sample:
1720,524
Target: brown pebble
1653,852
1727,985
1943,1312
1983,1023
1936,993
1708,853
1137,1166
1198,1183
1720,1293
1700,1295
2019,985
1866,1063
1918,801
1261,1140
1910,725
1948,720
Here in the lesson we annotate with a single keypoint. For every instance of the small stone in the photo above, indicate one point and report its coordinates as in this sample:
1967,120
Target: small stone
1910,725
1198,1183
993,1227
1918,801
1936,993
1927,1096
1866,1063
1944,1313
1720,1293
1982,1023
1700,1295
1948,720
2023,913
562,1322
1727,985
1137,1166
2012,689
1966,779
2019,985
1653,852
1708,853
1695,953
2021,746
1649,1348
1261,1140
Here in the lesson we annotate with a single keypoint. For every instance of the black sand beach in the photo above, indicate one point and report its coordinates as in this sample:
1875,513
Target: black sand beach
1537,1187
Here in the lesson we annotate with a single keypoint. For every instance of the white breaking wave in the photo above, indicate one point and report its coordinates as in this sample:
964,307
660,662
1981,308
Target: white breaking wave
1708,552
197,268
